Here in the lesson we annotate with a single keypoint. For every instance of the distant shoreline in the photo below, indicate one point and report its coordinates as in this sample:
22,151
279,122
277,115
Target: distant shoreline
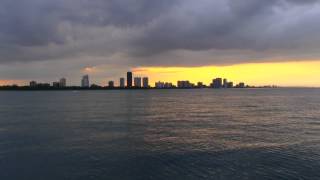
9,88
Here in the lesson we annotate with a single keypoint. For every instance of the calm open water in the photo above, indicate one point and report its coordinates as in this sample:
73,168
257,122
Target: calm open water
160,134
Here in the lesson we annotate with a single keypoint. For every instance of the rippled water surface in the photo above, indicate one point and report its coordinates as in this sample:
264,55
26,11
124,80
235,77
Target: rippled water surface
160,134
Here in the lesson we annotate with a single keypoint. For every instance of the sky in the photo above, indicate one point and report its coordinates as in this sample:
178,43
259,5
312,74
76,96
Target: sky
259,42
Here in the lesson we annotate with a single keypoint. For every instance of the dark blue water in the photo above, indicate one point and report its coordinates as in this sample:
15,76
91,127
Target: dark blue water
160,134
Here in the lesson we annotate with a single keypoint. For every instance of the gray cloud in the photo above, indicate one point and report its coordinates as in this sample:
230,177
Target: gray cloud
144,32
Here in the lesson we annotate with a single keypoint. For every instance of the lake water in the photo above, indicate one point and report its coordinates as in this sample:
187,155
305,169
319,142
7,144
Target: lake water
160,134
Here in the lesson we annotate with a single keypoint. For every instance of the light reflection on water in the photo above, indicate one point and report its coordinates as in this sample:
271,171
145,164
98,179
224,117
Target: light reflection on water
161,134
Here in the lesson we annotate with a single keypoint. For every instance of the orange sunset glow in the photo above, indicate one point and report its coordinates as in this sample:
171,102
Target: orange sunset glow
4,82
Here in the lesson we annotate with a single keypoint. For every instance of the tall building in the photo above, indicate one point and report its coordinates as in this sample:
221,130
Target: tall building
217,83
145,82
122,83
225,83
85,81
62,82
111,84
137,82
129,79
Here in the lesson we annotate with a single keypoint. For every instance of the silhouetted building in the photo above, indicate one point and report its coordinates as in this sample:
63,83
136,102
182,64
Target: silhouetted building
122,83
168,85
230,84
85,81
163,85
33,84
137,82
111,84
242,85
145,81
159,85
56,84
217,83
129,79
225,83
184,84
62,82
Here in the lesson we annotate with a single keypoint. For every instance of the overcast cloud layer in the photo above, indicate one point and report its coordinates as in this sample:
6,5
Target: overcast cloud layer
129,33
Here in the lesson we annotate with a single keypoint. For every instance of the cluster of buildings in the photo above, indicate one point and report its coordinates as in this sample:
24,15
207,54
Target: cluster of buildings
162,85
62,83
132,82
224,83
142,82
216,83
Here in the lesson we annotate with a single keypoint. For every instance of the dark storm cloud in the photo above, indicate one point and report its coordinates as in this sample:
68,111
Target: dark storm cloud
36,22
146,32
251,25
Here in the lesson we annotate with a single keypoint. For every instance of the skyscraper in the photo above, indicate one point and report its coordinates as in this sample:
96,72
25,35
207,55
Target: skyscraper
62,82
111,84
145,82
122,83
129,79
137,82
217,83
85,81
225,83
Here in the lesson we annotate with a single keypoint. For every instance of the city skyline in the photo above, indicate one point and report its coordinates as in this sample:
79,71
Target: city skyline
134,82
299,74
205,74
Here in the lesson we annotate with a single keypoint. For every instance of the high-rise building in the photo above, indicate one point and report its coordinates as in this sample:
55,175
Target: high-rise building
225,83
62,82
217,83
145,82
129,79
85,81
111,84
122,83
137,82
